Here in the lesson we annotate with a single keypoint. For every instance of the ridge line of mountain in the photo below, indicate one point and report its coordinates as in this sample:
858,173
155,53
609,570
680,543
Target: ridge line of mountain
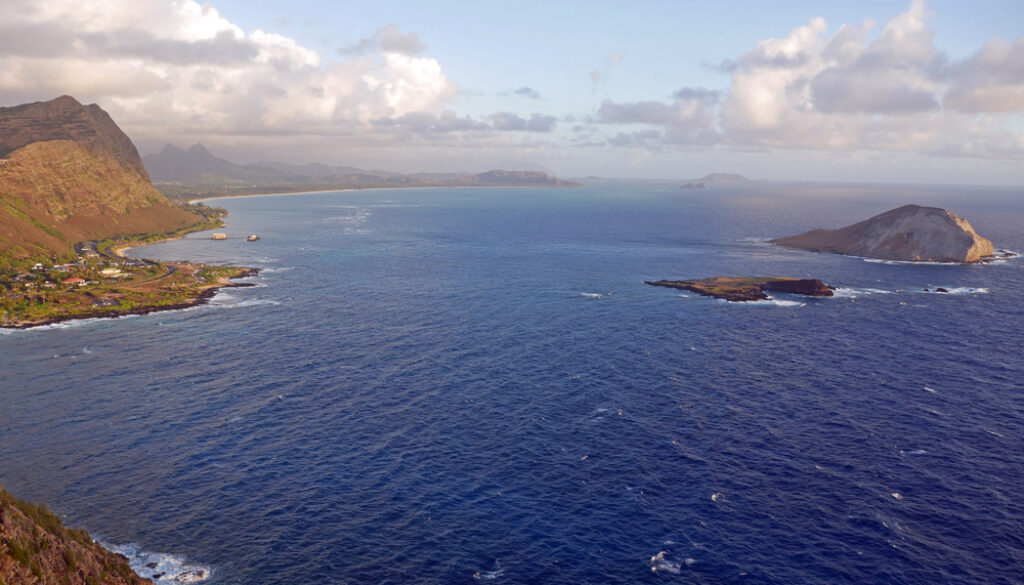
196,172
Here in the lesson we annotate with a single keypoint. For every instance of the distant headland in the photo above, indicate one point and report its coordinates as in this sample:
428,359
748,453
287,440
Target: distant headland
911,233
196,172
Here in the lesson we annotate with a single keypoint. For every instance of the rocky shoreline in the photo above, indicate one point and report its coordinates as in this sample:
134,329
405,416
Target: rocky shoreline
745,289
202,298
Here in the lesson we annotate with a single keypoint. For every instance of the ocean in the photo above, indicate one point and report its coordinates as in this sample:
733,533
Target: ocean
443,386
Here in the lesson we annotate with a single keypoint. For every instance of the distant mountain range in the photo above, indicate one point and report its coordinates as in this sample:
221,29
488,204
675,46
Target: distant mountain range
69,174
195,171
709,179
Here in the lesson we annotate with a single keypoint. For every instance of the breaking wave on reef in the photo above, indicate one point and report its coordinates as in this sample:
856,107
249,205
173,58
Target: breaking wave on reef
955,290
852,293
161,568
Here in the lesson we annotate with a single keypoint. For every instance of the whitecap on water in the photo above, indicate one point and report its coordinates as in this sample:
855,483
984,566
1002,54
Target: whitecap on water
66,324
955,290
275,270
225,300
852,293
492,574
769,302
592,295
162,568
908,262
660,563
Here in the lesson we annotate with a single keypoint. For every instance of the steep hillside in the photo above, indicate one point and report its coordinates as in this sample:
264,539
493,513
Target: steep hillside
65,118
70,174
36,548
911,233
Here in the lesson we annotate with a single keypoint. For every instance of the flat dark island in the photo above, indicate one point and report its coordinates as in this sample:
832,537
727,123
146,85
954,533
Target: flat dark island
753,288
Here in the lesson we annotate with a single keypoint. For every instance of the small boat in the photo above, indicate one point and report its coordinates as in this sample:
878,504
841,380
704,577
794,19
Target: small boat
219,237
253,238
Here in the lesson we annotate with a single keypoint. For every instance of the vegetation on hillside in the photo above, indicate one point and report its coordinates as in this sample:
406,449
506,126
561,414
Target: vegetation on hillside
36,548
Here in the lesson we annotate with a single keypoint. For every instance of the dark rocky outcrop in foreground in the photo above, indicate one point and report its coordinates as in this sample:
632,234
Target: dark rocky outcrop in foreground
911,233
36,548
748,289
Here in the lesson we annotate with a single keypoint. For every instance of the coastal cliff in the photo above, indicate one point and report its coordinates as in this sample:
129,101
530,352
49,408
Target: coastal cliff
36,548
69,174
910,233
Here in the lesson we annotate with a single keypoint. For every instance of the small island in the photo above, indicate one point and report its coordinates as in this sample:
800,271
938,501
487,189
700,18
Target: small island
740,289
911,233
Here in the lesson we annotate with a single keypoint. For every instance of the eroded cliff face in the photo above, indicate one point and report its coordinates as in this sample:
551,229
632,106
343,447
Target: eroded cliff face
36,548
64,118
910,233
69,174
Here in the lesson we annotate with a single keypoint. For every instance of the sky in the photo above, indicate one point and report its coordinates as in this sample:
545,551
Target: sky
872,91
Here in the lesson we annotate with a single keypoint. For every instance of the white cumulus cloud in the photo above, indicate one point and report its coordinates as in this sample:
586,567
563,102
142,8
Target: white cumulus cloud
179,68
853,89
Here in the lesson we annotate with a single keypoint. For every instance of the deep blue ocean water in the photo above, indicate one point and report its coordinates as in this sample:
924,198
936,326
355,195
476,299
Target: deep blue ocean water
457,386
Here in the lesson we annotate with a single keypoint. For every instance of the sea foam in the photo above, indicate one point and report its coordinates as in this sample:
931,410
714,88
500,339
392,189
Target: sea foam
162,568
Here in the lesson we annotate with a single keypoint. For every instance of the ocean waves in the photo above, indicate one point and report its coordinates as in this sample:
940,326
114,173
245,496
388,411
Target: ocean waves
481,389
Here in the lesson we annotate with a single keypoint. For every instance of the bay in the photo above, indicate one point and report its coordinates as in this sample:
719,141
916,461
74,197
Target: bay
456,385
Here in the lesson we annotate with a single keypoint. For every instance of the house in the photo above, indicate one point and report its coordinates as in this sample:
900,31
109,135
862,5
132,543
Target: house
111,272
75,281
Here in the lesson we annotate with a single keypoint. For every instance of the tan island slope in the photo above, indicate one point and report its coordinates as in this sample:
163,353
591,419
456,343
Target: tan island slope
911,233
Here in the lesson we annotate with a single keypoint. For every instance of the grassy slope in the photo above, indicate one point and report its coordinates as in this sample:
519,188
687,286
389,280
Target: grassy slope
36,547
56,193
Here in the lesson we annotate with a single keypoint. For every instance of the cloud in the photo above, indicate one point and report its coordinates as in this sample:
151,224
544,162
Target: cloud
388,40
642,138
527,92
689,120
600,75
425,123
851,90
511,122
167,69
448,122
697,93
991,80
649,112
